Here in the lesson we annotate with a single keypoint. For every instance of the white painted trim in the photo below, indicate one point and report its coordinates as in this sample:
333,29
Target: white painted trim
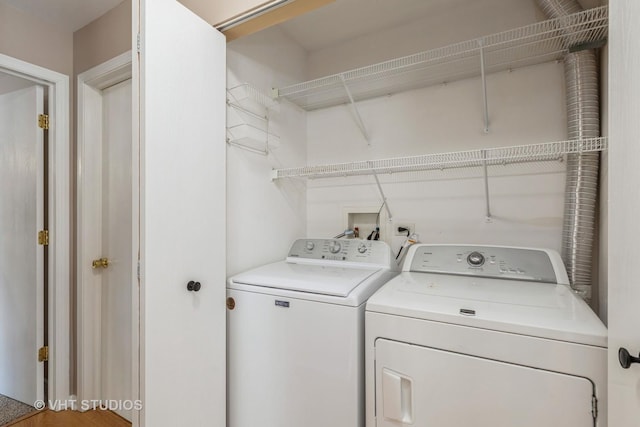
40,251
137,130
137,127
89,137
88,242
59,286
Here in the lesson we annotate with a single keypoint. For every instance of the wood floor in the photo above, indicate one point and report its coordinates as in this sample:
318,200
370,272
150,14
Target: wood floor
49,418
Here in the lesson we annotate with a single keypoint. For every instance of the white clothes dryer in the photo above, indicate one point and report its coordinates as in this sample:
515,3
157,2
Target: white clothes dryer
483,336
295,335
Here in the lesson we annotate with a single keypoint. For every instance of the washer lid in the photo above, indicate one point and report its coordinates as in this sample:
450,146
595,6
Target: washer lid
528,308
308,278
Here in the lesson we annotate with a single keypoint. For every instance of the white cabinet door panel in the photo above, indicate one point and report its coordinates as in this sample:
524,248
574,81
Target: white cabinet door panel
624,205
179,80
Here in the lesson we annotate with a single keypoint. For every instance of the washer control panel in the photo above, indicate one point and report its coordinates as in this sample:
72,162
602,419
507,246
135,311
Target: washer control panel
484,261
347,250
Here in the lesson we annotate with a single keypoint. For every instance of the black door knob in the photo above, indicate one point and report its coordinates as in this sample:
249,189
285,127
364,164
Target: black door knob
193,286
626,359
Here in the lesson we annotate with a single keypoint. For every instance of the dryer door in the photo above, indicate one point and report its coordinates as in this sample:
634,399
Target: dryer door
426,387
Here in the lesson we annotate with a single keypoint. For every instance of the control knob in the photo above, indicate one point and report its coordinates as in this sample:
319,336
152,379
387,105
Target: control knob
310,245
334,247
475,259
362,248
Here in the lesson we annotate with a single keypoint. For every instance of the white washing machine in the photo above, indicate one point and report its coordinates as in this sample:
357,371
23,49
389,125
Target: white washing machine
295,335
483,336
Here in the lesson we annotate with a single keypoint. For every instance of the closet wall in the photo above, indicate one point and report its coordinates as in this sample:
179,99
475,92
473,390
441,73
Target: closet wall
526,105
263,218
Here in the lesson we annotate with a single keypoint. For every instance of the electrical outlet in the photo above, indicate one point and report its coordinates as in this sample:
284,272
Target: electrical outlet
408,226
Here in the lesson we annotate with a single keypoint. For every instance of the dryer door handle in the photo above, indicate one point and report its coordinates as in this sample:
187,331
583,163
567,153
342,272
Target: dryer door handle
397,396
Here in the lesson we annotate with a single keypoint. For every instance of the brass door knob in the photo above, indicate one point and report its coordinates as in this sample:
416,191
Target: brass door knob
100,263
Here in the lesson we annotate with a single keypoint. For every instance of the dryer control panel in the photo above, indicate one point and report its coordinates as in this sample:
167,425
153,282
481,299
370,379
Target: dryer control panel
486,261
345,250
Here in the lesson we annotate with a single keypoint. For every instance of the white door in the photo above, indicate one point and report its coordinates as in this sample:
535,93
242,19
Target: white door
424,387
106,229
21,258
624,210
115,301
179,81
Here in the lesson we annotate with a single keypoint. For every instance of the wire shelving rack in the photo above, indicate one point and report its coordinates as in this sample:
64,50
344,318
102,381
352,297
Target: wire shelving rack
532,44
481,158
251,130
549,151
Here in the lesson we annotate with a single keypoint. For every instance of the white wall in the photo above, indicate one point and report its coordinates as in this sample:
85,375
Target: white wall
32,40
263,217
526,106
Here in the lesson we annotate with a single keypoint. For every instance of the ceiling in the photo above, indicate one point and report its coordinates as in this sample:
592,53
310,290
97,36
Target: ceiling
69,15
346,19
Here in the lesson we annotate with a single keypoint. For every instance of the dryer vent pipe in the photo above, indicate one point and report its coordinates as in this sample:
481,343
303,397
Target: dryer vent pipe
583,113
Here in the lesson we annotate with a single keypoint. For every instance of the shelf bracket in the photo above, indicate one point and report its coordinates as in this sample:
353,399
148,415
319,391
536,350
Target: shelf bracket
484,85
486,185
384,198
356,113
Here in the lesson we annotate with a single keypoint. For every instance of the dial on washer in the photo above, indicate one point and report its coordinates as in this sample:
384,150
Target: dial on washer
475,259
334,247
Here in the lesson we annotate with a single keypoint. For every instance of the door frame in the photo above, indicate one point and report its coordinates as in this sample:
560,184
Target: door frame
59,202
89,146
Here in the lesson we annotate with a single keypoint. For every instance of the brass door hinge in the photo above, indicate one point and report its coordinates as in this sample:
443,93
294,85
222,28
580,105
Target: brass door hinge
43,121
43,354
43,237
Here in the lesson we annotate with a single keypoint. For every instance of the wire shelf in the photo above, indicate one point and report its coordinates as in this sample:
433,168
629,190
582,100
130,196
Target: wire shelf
248,119
533,44
461,159
245,96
